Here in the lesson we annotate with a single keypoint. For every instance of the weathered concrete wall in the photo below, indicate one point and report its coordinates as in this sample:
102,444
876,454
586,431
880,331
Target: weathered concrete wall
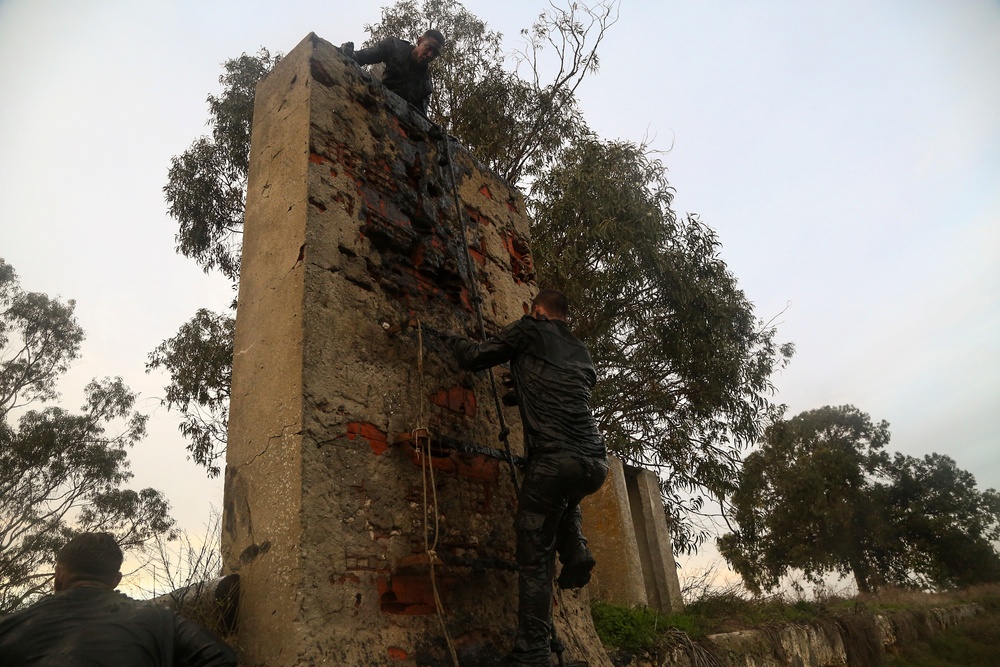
262,511
827,644
628,534
351,230
659,570
607,522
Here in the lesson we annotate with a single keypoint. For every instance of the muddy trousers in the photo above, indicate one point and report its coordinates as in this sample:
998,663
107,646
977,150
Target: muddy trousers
548,521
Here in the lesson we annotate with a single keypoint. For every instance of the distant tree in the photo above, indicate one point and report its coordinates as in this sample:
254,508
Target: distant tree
822,496
685,366
946,526
60,472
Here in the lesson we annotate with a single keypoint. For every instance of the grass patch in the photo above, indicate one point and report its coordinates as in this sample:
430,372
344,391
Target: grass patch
974,641
632,629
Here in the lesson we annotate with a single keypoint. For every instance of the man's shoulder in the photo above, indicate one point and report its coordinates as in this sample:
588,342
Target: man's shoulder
524,323
396,45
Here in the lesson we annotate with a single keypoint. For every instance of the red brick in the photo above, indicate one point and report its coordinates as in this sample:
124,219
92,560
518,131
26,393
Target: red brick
478,256
408,594
376,439
457,399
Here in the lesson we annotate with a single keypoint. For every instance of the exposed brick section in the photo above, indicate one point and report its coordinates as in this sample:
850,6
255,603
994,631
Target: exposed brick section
470,466
370,433
479,257
409,594
457,399
349,180
477,217
521,266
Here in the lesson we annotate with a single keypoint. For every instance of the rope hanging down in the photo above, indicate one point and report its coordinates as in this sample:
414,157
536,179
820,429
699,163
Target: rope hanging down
418,434
478,301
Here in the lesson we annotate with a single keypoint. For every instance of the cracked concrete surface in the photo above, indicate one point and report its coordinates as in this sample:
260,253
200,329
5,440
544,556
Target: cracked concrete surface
346,181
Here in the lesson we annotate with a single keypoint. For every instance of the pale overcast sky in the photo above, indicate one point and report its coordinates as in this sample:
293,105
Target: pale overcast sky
847,152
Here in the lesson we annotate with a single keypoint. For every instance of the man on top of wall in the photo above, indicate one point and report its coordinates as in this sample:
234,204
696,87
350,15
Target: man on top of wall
567,459
87,623
407,72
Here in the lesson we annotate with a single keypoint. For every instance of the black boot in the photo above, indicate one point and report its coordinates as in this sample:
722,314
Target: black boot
576,570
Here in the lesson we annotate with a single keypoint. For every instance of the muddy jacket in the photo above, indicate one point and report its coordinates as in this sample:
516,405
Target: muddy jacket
403,75
553,378
94,627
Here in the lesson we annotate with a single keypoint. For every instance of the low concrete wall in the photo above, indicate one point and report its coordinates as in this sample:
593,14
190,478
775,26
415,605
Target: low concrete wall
826,644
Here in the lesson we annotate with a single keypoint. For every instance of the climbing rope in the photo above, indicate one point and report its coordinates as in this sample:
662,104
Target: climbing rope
556,645
478,301
422,432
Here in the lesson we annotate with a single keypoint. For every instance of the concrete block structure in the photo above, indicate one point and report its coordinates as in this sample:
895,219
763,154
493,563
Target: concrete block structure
355,447
627,531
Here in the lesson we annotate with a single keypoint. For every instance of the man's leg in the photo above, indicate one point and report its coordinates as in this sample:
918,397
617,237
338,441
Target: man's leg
574,555
576,559
541,505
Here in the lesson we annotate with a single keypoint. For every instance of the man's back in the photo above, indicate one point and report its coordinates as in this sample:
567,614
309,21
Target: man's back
553,377
94,627
403,75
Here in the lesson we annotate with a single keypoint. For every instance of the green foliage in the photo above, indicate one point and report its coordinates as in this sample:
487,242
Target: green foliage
641,632
200,362
975,642
60,472
206,185
946,523
684,364
823,496
514,124
630,628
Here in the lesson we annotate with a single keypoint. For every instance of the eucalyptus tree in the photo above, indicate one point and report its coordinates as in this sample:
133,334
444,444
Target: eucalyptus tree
686,364
822,496
60,472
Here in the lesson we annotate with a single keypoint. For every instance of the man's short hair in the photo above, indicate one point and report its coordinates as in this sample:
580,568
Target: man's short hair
434,33
553,301
91,555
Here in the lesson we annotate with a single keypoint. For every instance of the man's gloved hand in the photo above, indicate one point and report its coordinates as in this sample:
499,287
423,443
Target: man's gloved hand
436,132
347,48
510,396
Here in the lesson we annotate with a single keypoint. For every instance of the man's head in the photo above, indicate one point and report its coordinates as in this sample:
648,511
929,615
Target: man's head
551,303
89,558
428,46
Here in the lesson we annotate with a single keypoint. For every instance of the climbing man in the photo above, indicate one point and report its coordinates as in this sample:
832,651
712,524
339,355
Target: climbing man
566,458
87,623
407,72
